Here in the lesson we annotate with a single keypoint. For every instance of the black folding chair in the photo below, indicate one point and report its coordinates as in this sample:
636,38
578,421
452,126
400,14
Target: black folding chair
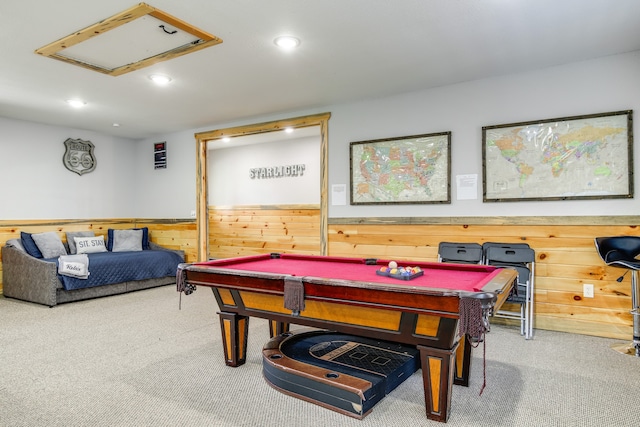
461,253
487,245
520,257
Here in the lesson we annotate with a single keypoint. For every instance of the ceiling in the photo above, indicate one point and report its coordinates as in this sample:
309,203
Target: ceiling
351,50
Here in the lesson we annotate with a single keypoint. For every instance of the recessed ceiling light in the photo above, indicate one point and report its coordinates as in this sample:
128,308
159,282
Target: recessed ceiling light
287,42
116,125
159,79
76,103
226,139
288,130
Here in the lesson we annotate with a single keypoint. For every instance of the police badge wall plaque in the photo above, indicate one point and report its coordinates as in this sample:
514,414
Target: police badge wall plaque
78,156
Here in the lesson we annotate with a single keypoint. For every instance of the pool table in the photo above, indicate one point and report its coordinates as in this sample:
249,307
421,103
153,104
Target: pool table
349,295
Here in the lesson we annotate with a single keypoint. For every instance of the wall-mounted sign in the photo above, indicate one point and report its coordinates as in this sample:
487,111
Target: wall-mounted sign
78,156
277,172
160,155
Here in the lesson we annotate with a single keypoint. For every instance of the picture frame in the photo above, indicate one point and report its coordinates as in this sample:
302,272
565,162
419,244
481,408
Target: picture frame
160,155
568,158
402,170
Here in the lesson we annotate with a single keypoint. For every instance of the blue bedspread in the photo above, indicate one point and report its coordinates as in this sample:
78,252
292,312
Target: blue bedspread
106,268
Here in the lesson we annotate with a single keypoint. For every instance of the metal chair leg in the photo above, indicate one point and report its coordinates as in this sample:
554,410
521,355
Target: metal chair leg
633,348
635,311
530,300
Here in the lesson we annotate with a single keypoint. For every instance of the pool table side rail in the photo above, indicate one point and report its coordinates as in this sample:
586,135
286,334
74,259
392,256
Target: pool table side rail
431,301
417,299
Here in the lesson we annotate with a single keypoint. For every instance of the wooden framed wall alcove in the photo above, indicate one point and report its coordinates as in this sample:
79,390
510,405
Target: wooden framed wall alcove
202,138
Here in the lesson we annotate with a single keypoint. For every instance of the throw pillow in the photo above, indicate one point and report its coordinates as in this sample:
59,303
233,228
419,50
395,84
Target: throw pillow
145,238
16,243
72,243
74,266
29,245
49,244
127,240
89,245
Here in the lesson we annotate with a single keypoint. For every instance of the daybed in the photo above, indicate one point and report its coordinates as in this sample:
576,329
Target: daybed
117,267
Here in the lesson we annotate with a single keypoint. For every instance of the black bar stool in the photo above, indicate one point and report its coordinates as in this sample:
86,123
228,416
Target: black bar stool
621,251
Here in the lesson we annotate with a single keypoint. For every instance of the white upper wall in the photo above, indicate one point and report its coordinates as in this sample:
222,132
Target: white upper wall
170,192
36,185
230,170
125,183
597,86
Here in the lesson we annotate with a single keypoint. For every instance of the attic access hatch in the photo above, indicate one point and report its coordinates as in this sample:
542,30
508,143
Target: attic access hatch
136,38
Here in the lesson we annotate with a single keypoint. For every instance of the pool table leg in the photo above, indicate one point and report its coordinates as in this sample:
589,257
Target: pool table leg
463,362
235,329
437,376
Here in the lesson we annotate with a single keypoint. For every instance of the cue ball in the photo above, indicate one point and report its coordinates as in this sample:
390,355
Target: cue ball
393,264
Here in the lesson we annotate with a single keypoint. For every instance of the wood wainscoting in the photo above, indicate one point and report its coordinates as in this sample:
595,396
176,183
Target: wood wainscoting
252,230
566,259
170,233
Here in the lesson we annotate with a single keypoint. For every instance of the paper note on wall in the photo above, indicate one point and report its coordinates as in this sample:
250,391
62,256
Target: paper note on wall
467,186
339,194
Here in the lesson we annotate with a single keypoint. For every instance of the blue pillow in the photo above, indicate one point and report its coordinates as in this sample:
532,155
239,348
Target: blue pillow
30,245
145,238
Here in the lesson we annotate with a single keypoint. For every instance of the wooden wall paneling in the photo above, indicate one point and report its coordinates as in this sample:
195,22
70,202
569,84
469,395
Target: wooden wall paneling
566,259
249,231
415,253
565,252
179,234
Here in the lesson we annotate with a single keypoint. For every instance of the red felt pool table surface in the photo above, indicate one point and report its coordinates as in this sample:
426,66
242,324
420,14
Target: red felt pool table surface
461,277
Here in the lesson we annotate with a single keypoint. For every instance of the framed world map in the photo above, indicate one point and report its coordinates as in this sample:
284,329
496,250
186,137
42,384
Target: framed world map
403,170
580,157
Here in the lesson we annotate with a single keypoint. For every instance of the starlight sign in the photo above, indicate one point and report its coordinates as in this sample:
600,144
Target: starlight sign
277,172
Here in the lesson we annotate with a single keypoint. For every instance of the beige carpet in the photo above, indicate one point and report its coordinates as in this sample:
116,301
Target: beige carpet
136,360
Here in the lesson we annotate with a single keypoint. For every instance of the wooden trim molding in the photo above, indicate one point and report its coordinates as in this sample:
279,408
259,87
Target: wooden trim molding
56,49
65,222
494,220
266,207
321,120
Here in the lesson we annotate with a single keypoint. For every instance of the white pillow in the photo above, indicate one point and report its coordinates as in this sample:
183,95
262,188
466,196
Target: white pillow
127,240
73,234
89,245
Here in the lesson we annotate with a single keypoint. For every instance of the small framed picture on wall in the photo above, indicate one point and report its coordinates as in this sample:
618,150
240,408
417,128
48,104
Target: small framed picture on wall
160,155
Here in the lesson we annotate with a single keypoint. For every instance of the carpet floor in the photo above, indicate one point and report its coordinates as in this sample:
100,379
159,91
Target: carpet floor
137,360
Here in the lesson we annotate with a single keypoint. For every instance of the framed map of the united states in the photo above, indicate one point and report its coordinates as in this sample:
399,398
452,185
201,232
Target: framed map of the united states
403,170
580,157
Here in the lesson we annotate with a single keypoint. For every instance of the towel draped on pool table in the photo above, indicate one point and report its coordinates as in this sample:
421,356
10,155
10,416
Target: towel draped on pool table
293,294
471,318
472,323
